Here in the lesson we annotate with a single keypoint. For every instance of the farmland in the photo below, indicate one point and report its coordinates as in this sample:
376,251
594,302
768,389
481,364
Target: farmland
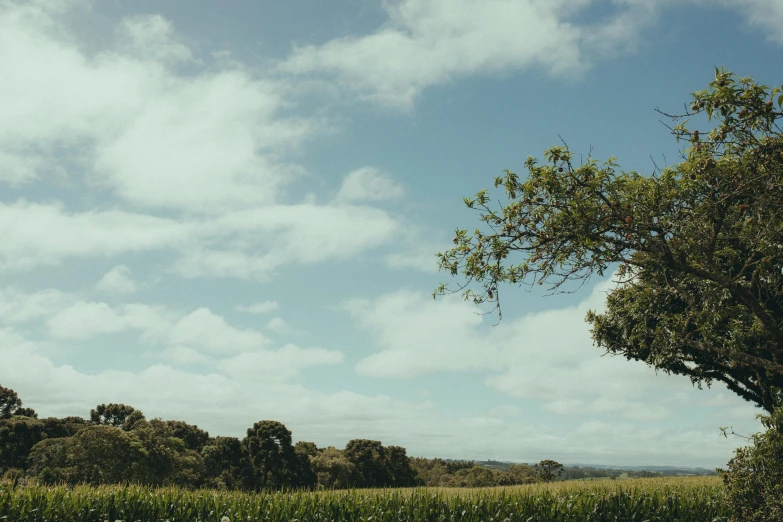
683,499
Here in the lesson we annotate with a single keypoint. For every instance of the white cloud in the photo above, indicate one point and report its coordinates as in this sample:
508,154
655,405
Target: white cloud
17,306
86,319
155,137
277,365
227,405
152,37
303,233
118,280
433,42
543,356
506,410
200,329
261,308
206,150
765,14
368,184
276,324
245,244
426,43
180,356
45,234
205,330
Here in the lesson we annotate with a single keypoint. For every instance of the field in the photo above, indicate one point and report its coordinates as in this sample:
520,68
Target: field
683,499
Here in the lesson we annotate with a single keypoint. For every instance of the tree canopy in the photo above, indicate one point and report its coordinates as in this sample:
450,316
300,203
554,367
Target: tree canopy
697,247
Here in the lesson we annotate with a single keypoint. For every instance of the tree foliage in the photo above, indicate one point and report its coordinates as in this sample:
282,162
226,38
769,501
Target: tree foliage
113,415
699,244
9,402
548,470
271,461
754,478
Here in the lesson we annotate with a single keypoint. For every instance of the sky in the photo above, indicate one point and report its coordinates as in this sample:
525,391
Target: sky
225,212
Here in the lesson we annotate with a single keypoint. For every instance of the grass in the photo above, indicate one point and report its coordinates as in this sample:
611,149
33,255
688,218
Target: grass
657,499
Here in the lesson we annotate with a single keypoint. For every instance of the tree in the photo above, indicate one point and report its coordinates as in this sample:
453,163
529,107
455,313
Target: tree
113,415
107,455
271,461
26,412
9,402
522,474
304,473
194,437
698,246
548,470
222,461
369,458
333,469
399,466
754,479
48,461
19,434
168,459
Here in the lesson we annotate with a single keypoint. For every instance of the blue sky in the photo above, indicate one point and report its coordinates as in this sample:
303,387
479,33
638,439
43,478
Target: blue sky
228,212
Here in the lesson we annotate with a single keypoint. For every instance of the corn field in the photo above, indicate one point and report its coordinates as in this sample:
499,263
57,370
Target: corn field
680,499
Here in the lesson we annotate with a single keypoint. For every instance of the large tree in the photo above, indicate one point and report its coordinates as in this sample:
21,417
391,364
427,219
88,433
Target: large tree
114,415
698,245
271,462
9,402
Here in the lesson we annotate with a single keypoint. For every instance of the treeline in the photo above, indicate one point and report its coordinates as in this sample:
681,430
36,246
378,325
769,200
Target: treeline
117,444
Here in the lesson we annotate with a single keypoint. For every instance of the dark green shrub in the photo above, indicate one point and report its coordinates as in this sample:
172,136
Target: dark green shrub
754,479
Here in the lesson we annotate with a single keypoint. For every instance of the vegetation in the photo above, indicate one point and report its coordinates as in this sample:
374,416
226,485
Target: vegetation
632,500
699,246
754,479
118,445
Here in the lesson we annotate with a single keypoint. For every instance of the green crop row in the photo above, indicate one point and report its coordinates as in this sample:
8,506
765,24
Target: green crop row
631,500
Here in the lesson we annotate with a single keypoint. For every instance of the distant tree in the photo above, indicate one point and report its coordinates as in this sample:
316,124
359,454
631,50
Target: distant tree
223,461
50,461
304,473
9,402
369,458
548,470
700,287
193,437
105,455
26,412
475,477
132,419
399,466
333,470
521,474
19,434
111,414
271,461
432,472
168,460
306,448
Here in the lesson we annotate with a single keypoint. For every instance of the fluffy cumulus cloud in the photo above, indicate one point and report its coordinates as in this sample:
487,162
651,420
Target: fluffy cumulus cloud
261,308
200,329
245,389
118,280
545,356
177,337
765,14
368,184
431,42
187,163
